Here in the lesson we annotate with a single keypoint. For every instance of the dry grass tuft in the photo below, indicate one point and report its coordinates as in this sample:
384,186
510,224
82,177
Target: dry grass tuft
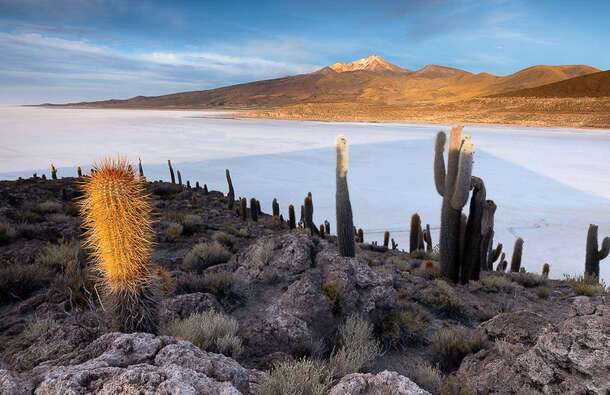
204,255
451,345
302,377
357,349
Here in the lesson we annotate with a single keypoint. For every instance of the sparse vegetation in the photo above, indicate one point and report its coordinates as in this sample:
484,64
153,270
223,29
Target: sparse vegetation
49,206
301,377
497,283
60,257
39,327
334,292
443,297
402,327
20,281
543,292
204,255
586,286
173,231
225,239
357,347
451,345
210,331
7,233
428,377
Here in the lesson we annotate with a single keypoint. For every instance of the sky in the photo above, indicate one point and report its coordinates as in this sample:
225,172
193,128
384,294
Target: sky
81,50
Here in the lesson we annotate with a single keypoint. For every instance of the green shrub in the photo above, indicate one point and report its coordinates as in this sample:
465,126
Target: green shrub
302,377
528,280
403,327
586,286
173,231
189,283
204,255
443,297
210,331
357,347
20,281
543,292
60,256
427,377
225,239
49,207
497,283
451,345
334,292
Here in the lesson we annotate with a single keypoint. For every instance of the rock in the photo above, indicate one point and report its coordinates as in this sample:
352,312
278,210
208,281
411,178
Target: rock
182,306
382,383
145,363
522,327
12,384
275,259
571,357
581,305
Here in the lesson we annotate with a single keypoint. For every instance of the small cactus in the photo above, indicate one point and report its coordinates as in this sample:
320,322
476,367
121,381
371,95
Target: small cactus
79,172
243,209
258,207
179,178
53,172
471,261
546,268
594,255
327,227
415,233
197,185
44,177
308,215
292,223
360,235
171,171
231,193
253,210
117,215
205,189
140,169
188,184
427,238
515,262
345,221
275,206
394,244
322,233
386,239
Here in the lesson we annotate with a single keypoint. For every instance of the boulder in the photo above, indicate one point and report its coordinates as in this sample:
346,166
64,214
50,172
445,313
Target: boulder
382,383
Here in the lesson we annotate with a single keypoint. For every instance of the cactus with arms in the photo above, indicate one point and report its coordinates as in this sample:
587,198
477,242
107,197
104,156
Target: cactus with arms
117,216
594,255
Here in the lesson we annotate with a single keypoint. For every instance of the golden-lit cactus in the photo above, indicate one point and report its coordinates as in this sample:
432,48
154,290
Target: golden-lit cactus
117,215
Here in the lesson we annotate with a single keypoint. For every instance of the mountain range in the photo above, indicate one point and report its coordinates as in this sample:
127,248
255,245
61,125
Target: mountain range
371,80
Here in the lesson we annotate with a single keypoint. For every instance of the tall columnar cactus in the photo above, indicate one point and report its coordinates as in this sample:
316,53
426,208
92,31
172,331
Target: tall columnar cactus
415,233
427,238
488,255
171,171
360,235
79,172
117,215
546,268
243,209
322,231
292,221
205,191
53,172
188,184
140,168
472,257
327,227
308,215
253,210
179,178
453,184
515,262
386,239
594,255
231,193
494,254
275,208
345,221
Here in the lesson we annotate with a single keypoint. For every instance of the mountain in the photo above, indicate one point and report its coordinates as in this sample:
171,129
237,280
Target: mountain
590,85
372,63
368,81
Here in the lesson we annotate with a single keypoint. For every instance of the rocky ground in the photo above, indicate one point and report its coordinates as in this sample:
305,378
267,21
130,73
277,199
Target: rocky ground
289,292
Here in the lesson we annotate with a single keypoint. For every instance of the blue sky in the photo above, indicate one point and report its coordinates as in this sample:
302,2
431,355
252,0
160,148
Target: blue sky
71,50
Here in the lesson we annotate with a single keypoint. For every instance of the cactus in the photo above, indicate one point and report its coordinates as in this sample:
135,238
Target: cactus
360,236
188,184
171,171
453,184
44,177
205,189
53,172
394,244
386,239
275,206
243,209
427,238
308,215
79,172
415,233
593,255
345,221
487,235
179,177
231,193
546,268
322,231
515,262
493,255
292,222
197,185
117,215
472,256
140,169
259,211
253,210
327,227
502,264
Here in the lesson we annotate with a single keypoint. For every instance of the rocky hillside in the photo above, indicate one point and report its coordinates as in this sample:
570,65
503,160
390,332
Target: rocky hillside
590,85
253,307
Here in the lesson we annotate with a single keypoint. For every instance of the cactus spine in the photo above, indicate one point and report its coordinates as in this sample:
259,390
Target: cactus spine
515,262
345,221
171,171
292,222
453,184
231,193
594,255
117,216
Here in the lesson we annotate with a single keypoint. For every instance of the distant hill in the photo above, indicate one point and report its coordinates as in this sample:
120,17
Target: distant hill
590,85
368,81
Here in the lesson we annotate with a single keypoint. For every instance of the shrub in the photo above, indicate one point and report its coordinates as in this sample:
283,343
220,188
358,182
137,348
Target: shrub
29,231
403,327
357,347
204,255
210,331
7,233
444,297
497,283
173,231
49,206
39,327
527,280
543,292
451,345
190,223
167,280
427,377
586,286
220,284
20,281
189,283
225,239
302,377
428,269
59,257
334,292
263,253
